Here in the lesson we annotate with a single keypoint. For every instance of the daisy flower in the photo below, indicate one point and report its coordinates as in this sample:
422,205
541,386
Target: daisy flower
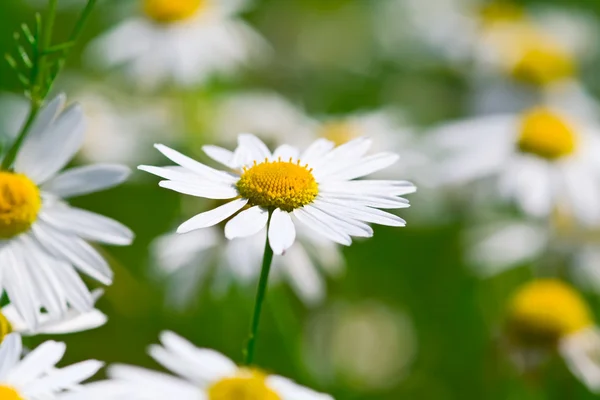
35,377
202,374
43,240
187,261
276,190
548,315
544,159
184,41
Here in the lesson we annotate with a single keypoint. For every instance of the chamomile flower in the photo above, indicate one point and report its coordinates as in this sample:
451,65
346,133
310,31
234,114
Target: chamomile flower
275,190
183,41
549,315
43,240
35,377
202,374
187,260
543,159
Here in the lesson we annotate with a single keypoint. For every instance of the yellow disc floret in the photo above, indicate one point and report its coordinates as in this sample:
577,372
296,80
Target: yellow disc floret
546,134
543,64
168,11
278,184
20,203
339,132
544,311
247,385
8,393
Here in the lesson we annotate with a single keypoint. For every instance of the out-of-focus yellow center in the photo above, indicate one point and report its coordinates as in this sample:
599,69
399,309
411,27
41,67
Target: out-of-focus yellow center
247,385
8,393
20,203
546,134
499,12
278,184
544,311
543,62
339,132
168,11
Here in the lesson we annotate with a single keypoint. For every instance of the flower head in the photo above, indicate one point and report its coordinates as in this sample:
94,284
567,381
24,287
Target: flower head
316,188
201,374
185,42
543,158
43,240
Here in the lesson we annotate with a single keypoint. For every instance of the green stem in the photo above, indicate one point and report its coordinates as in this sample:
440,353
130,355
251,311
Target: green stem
14,149
260,298
39,78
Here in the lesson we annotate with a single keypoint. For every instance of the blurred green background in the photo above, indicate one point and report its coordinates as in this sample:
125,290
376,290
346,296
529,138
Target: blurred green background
449,322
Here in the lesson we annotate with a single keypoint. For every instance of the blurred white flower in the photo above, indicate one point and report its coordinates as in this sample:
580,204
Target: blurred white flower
368,346
543,159
35,377
183,42
268,115
120,130
43,240
200,374
187,260
551,248
539,45
548,315
277,120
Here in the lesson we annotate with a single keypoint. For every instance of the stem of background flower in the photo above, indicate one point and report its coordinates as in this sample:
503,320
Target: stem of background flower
260,298
39,92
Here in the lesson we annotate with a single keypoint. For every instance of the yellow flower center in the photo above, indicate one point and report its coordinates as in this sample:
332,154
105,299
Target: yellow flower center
543,63
338,132
168,11
8,393
546,134
546,310
278,184
20,203
247,385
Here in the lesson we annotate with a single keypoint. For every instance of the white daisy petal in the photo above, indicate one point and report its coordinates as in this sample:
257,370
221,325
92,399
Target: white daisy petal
88,225
256,148
194,166
34,158
212,217
282,232
206,191
292,391
84,180
330,232
362,167
10,351
246,223
219,154
74,250
286,153
315,151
